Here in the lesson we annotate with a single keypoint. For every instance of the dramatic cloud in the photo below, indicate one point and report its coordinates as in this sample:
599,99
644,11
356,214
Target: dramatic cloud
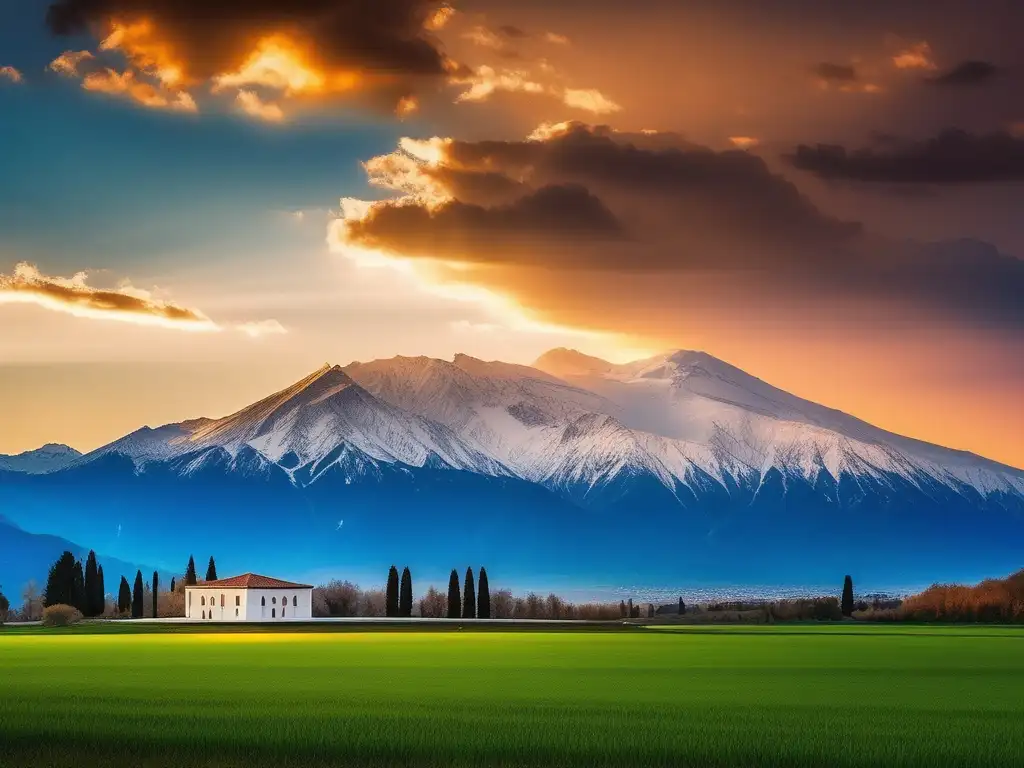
381,49
76,297
10,74
590,227
251,103
966,73
590,100
915,56
125,303
952,157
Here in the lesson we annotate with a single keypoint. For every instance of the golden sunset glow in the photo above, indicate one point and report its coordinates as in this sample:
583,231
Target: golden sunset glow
127,84
279,62
141,44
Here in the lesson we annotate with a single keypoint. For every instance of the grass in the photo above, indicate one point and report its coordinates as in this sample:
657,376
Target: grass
788,695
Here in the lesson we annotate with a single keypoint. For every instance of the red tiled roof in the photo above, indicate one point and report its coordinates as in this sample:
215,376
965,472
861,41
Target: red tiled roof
253,581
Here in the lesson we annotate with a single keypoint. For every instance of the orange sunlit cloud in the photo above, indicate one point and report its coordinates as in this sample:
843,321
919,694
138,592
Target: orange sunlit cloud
142,46
590,100
127,83
744,142
917,56
125,303
68,63
76,297
251,103
11,74
280,63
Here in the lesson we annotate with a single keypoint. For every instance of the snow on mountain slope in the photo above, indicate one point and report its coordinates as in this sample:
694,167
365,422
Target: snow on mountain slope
319,421
50,458
504,410
701,413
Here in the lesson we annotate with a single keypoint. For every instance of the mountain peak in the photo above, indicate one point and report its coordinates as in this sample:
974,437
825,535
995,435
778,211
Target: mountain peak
48,458
563,362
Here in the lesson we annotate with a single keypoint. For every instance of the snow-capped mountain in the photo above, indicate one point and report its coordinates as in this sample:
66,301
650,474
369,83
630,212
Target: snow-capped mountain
322,421
696,414
49,458
676,466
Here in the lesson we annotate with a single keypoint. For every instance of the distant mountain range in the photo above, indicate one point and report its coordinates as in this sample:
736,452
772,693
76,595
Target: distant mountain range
674,470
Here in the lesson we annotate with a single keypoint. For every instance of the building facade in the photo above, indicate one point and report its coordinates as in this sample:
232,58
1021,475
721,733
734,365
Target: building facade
249,597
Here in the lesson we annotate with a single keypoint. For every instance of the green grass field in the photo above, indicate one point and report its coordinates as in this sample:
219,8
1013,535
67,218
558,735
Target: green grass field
783,695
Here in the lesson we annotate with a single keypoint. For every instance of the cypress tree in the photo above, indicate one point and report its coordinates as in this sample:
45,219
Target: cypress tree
172,584
483,596
454,599
405,594
78,589
622,608
91,577
60,581
124,596
101,591
156,589
211,570
190,573
682,607
469,597
847,601
391,601
629,607
137,596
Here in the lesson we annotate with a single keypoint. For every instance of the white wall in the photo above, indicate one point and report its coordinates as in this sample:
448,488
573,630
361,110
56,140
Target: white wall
270,605
204,604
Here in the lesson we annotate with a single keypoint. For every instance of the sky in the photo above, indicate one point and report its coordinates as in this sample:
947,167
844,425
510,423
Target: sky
199,207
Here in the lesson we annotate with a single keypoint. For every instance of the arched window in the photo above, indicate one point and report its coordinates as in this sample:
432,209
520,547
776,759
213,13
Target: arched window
282,609
204,614
202,601
263,601
236,611
295,601
273,613
273,600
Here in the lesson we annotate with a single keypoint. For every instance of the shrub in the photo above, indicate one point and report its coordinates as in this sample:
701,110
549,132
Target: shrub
61,615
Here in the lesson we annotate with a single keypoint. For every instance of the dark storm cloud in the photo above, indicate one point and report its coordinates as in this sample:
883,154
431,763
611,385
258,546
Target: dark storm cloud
552,214
380,36
952,157
839,73
586,201
966,73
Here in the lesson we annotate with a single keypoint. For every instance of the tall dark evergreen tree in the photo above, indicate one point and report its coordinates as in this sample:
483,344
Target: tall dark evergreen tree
78,588
682,606
846,604
60,581
405,594
622,608
469,597
190,572
156,589
211,570
629,607
391,601
454,598
124,596
92,608
483,596
5,606
101,591
137,596
172,584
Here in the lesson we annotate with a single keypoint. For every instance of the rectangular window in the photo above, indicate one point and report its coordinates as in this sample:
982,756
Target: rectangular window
238,601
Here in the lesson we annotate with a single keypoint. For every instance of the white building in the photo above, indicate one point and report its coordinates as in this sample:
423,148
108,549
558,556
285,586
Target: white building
249,597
